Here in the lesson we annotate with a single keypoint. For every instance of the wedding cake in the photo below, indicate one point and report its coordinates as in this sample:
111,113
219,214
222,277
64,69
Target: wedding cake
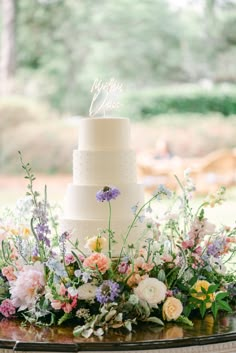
104,158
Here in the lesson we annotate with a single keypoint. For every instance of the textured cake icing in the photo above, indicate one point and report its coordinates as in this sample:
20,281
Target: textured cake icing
104,157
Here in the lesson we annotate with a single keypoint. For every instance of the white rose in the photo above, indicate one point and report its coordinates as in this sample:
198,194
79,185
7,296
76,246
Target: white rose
87,291
151,290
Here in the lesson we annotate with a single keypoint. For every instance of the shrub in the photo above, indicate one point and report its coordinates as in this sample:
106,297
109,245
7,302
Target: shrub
189,99
17,110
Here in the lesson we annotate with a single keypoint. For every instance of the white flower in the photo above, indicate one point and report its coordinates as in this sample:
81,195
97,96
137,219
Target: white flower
72,291
87,291
133,299
151,290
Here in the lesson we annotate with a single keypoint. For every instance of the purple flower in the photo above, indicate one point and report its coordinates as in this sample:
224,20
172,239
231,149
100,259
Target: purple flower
107,194
107,292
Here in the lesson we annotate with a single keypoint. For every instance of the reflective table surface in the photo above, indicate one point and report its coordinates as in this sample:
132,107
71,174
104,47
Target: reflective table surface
20,337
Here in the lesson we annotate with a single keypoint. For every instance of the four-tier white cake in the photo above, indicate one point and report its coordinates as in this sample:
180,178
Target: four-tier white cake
104,158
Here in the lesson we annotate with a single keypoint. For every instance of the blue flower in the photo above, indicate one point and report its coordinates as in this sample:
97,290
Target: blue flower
107,292
162,190
107,194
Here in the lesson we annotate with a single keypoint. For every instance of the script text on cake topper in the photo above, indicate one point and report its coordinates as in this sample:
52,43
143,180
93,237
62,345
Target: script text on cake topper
105,96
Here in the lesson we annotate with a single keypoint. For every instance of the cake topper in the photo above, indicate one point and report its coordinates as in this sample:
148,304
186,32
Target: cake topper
105,96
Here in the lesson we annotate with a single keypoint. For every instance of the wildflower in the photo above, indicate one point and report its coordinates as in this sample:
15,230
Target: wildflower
83,313
85,276
151,290
97,261
107,194
107,292
96,243
8,272
87,291
172,309
123,267
7,308
69,259
162,190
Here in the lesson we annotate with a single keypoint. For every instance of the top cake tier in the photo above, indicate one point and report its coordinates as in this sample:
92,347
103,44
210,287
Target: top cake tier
99,134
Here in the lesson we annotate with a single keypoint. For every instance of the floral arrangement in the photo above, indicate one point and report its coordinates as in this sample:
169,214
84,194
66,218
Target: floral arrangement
181,267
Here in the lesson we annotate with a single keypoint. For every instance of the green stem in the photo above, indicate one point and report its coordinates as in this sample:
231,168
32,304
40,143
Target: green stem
132,224
109,231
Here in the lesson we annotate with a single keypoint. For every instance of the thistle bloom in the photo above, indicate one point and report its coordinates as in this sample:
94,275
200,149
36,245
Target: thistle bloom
107,292
107,194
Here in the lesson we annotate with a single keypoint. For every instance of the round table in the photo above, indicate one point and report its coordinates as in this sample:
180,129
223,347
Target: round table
205,336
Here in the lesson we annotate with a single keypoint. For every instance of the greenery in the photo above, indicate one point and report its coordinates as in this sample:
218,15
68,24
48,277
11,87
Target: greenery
62,45
189,99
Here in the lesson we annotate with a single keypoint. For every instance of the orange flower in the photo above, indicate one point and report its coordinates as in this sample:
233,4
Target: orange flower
97,261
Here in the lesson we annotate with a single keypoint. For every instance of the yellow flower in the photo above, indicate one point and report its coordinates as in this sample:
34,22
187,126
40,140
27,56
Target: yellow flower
96,243
172,309
200,295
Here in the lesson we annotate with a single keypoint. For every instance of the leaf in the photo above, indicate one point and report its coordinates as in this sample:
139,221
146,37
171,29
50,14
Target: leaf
221,295
224,306
128,325
87,333
212,288
214,309
202,309
156,320
184,320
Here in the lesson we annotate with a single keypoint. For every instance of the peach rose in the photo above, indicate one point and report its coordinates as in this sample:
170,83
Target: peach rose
151,290
172,309
97,261
199,294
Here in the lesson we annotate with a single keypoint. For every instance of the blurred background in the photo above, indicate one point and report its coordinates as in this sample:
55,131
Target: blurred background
176,59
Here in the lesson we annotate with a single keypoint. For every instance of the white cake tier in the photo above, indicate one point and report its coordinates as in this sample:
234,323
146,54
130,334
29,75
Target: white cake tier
81,203
104,167
104,134
81,230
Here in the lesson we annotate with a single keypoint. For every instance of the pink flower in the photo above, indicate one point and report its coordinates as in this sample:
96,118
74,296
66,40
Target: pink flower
198,250
167,258
97,261
29,283
7,308
62,290
67,307
56,304
186,244
69,259
123,267
8,272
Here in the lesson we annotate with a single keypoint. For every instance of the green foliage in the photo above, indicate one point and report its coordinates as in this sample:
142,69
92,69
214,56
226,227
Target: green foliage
63,45
146,104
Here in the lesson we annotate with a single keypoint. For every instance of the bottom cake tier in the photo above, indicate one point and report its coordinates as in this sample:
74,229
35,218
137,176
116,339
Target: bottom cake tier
81,230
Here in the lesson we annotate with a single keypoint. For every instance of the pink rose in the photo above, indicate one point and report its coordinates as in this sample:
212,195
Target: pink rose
97,261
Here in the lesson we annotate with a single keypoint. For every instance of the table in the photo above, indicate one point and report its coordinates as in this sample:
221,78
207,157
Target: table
206,336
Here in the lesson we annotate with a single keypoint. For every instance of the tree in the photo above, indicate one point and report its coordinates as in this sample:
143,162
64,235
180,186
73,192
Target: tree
8,44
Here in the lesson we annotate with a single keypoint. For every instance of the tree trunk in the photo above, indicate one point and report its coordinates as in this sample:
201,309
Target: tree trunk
8,46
